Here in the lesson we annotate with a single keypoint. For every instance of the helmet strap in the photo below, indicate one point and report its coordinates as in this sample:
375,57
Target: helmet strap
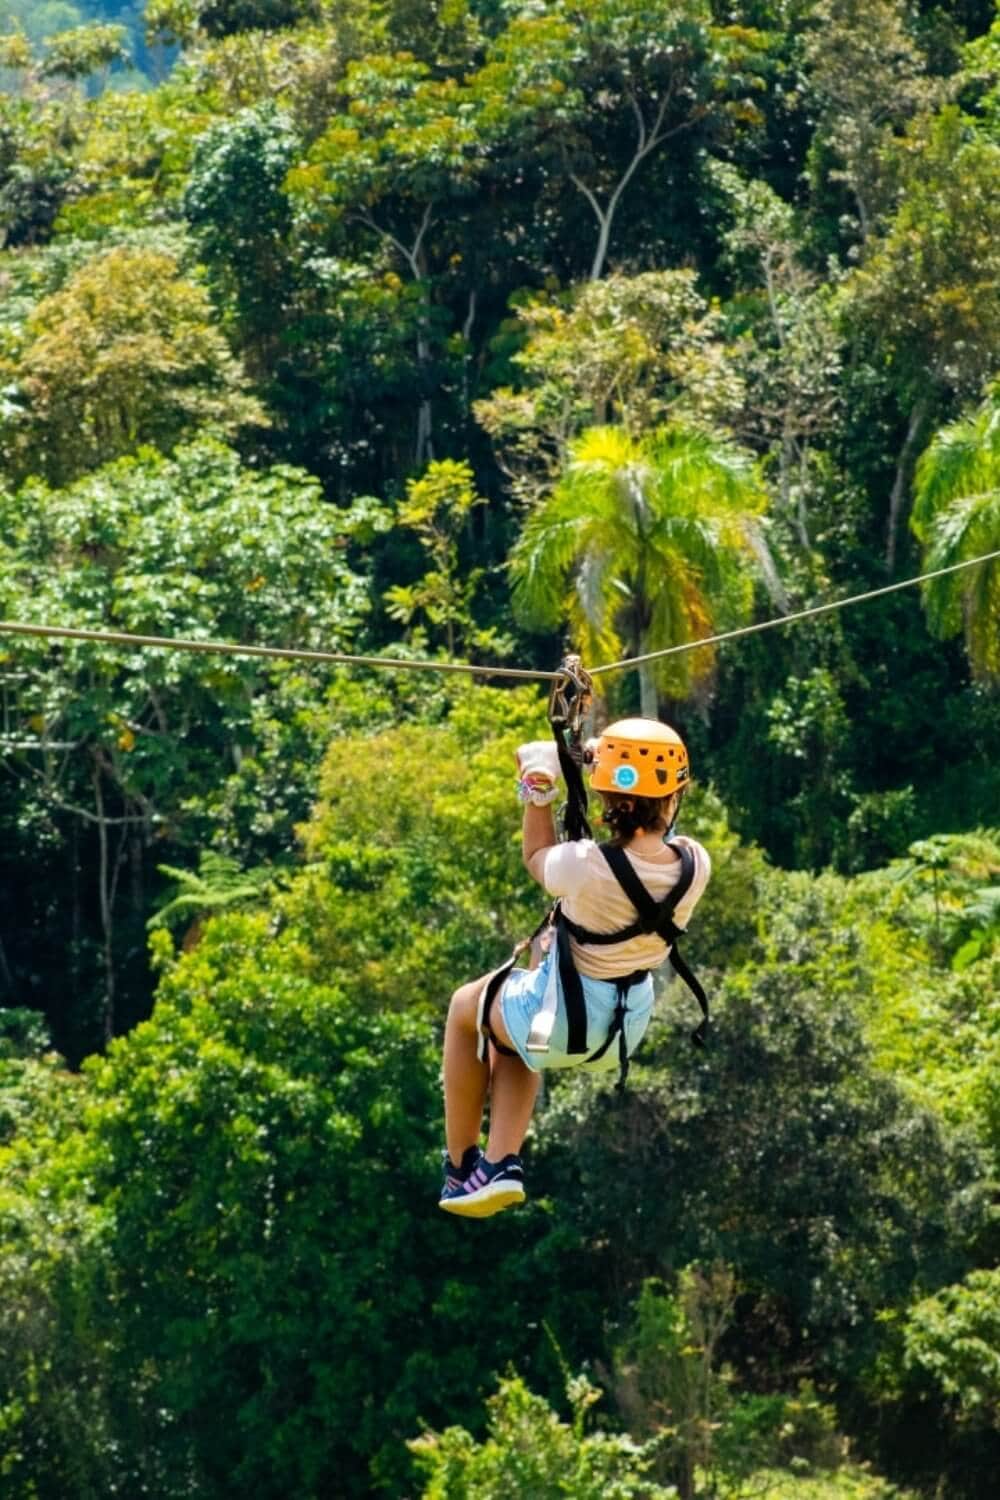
669,833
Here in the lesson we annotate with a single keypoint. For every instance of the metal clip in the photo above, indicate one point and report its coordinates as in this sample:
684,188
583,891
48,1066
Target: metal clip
570,698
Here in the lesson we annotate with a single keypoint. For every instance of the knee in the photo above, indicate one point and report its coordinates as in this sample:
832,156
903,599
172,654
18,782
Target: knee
465,999
465,1002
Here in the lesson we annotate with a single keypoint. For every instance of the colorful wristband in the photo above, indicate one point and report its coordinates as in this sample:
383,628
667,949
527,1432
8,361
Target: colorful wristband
537,790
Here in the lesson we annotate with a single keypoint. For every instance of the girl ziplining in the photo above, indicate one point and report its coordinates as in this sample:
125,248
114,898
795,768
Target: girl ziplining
588,1002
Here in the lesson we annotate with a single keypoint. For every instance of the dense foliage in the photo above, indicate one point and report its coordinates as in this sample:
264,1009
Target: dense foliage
464,328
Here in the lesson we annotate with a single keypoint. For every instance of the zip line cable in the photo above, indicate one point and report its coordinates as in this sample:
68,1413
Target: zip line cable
801,614
294,653
286,653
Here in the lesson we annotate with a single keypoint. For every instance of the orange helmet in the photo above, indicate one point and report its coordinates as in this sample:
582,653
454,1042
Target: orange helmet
640,756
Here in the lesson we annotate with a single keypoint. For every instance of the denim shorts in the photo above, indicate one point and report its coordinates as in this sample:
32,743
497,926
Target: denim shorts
523,996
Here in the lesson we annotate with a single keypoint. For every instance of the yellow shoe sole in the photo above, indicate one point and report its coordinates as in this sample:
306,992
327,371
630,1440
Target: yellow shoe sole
489,1200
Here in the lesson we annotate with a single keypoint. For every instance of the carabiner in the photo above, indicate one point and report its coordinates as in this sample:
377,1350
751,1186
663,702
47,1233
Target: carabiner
570,698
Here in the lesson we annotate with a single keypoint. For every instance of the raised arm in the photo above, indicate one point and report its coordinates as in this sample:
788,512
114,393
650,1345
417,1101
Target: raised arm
538,833
538,775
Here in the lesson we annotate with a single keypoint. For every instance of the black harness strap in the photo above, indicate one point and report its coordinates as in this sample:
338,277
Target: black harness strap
617,1027
653,916
492,989
700,1033
576,1006
572,989
569,701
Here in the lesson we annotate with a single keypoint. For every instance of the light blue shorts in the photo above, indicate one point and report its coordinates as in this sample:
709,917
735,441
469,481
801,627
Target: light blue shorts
523,996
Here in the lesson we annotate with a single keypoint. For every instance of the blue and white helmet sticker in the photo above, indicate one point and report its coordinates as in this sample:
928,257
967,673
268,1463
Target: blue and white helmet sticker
625,777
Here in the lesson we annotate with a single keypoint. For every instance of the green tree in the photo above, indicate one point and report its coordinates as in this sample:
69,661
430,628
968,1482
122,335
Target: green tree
868,75
397,165
956,516
35,147
83,51
790,355
51,1408
529,1451
926,294
260,1296
131,151
186,20
241,221
404,890
833,1193
126,354
676,1393
608,84
282,1319
808,734
958,878
437,508
633,350
953,1338
644,544
123,746
668,1380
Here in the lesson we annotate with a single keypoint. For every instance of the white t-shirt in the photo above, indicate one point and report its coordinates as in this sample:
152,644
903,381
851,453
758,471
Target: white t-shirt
578,873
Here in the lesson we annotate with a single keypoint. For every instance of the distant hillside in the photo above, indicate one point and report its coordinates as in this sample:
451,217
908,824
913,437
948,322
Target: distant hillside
41,19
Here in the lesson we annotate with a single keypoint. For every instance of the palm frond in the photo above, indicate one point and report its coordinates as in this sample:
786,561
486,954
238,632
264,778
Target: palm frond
756,541
681,613
554,537
963,459
591,587
966,528
608,448
663,530
597,639
698,471
982,621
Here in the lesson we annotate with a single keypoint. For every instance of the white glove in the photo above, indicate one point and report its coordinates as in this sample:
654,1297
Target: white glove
538,772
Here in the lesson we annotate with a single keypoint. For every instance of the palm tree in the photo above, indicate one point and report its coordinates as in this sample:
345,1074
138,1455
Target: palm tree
643,544
956,515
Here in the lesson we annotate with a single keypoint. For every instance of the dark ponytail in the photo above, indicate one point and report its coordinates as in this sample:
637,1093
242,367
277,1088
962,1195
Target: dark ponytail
626,816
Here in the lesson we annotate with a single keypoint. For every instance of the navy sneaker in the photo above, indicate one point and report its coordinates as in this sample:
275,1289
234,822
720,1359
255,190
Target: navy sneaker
488,1188
455,1176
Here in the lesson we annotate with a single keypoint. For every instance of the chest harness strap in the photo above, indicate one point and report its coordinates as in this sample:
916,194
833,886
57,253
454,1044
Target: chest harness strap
652,917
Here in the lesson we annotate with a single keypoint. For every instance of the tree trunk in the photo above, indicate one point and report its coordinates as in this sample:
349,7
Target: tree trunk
106,900
648,696
904,469
647,140
604,222
6,977
416,260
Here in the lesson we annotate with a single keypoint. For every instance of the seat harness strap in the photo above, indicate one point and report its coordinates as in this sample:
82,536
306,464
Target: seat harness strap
491,989
652,917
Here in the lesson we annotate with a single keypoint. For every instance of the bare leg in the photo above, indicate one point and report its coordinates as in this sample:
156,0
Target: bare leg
465,1077
513,1090
513,1087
